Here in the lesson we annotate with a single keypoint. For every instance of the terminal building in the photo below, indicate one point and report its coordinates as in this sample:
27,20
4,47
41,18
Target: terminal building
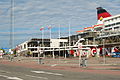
35,44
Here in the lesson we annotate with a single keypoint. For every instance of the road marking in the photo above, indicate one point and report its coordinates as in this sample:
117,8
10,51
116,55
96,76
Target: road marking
43,72
53,65
12,78
4,71
36,77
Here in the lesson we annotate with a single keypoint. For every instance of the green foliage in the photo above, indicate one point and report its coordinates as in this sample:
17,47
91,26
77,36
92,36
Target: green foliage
3,50
14,52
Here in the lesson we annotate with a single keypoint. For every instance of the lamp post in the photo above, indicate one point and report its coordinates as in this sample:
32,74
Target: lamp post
104,58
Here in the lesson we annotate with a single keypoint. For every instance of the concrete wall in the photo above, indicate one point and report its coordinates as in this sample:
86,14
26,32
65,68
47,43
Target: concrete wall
56,42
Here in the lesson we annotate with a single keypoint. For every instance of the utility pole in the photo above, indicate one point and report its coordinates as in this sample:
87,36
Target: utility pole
11,29
11,25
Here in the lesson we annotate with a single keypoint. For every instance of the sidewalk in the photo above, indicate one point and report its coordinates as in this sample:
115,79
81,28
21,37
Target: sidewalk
91,68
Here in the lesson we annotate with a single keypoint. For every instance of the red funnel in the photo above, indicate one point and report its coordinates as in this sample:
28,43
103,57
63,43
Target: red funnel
102,13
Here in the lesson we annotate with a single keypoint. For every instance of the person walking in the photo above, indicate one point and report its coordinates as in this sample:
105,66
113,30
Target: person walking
83,61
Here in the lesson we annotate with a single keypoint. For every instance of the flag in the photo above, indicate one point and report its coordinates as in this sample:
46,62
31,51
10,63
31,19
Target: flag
41,28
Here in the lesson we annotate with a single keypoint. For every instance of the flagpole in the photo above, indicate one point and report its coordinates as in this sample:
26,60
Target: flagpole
42,38
50,33
69,33
43,44
49,27
59,42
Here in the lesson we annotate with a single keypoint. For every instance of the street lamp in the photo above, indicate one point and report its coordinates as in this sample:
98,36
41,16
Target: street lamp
104,59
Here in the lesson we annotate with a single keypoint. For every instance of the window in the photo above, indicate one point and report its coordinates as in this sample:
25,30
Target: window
24,46
110,28
119,18
111,20
116,27
21,47
117,23
106,29
112,24
116,18
107,25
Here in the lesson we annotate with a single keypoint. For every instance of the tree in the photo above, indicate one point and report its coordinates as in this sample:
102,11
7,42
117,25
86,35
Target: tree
3,50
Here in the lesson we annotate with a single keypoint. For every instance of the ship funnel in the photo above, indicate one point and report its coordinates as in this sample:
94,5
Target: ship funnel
102,13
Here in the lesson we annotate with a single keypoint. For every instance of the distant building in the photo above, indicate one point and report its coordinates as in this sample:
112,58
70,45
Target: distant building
34,44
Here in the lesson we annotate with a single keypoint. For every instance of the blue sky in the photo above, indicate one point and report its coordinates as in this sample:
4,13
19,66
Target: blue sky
30,15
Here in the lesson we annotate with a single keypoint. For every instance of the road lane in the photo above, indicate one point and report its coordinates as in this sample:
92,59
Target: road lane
37,77
39,74
44,72
12,78
17,73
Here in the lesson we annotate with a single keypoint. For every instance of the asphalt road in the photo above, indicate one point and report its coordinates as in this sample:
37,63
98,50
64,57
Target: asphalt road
21,73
